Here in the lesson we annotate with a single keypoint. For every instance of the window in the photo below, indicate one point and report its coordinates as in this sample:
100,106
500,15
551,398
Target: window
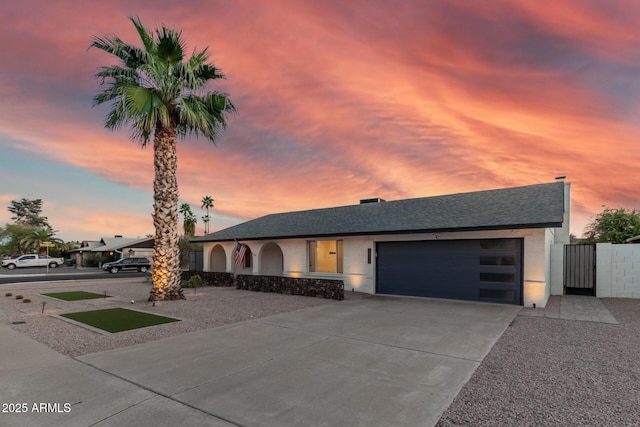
497,260
246,261
325,256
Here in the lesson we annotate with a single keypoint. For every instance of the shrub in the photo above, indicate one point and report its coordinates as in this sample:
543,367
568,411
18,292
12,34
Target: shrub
8,294
26,300
19,297
194,282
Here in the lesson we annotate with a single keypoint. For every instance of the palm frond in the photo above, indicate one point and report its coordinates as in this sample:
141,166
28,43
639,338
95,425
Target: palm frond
145,37
158,87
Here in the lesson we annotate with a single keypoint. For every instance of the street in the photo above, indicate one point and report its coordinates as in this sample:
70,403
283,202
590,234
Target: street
22,275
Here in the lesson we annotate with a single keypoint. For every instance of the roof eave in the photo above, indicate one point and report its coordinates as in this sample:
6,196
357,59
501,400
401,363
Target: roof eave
203,239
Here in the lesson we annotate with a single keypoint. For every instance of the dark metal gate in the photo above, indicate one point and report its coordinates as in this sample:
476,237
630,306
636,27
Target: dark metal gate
195,260
580,269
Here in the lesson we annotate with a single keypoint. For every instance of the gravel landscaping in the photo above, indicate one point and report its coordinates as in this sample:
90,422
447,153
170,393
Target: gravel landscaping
551,372
209,307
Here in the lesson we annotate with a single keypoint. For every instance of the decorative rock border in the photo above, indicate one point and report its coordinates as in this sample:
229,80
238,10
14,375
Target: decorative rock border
212,278
325,288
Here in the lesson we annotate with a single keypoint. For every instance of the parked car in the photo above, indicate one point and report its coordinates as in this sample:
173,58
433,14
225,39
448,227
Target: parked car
32,260
127,264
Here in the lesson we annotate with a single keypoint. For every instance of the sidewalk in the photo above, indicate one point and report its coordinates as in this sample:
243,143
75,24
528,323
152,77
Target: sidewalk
51,389
572,307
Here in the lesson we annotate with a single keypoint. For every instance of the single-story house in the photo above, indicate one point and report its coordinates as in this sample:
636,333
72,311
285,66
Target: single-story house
112,248
492,246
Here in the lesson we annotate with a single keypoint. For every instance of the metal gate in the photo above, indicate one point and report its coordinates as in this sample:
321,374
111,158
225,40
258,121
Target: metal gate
195,260
580,269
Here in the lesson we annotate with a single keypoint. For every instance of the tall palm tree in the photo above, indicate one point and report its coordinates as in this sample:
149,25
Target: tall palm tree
189,220
162,95
207,202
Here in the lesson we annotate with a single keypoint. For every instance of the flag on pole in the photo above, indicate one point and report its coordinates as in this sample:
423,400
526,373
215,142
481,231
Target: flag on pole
240,251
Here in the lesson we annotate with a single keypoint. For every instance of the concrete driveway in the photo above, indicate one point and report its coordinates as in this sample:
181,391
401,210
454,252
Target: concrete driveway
365,361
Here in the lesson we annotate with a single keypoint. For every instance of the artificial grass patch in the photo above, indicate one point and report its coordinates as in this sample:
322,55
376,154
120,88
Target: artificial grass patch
118,319
76,295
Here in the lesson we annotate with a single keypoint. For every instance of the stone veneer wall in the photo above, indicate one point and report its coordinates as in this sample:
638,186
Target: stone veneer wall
212,278
325,288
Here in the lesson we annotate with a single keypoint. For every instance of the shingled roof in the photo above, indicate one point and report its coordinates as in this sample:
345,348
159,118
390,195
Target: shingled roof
534,206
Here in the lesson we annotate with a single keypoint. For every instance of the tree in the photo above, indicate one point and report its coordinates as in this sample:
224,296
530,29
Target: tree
189,220
613,226
10,237
207,202
31,242
161,95
28,211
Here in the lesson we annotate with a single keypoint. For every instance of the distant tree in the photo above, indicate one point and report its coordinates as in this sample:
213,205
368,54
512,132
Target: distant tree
162,94
10,237
613,226
189,220
28,212
207,202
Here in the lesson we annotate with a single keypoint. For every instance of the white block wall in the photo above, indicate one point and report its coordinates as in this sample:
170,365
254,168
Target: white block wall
617,271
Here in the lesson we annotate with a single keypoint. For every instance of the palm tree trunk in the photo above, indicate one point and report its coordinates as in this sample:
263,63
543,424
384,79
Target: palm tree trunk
166,253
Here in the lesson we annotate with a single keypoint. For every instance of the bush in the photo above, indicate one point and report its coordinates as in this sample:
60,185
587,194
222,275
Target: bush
8,294
26,300
194,282
19,297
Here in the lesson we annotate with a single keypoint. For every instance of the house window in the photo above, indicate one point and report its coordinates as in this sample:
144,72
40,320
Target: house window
246,261
325,256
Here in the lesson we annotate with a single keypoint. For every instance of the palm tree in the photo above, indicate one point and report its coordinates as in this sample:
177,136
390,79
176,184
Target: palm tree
189,220
162,95
207,202
32,242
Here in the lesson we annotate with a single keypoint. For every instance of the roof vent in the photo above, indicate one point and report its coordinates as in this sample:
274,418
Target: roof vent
374,200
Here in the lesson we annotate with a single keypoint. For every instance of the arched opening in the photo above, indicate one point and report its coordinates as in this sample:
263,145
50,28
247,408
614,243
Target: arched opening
218,259
271,260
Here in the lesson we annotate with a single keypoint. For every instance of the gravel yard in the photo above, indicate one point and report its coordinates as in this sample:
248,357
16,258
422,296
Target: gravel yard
207,308
551,372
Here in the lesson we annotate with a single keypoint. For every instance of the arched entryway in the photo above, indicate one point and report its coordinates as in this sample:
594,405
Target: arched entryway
218,259
271,260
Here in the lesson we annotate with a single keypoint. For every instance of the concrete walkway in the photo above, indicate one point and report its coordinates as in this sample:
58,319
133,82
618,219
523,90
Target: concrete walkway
573,307
367,361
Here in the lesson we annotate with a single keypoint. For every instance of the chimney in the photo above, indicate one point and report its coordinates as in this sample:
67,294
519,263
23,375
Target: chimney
374,200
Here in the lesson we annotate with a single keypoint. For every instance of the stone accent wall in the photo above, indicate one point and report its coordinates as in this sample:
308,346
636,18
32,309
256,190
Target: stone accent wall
325,288
212,278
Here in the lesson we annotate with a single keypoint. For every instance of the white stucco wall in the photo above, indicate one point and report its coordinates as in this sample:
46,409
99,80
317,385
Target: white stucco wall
359,275
617,270
557,269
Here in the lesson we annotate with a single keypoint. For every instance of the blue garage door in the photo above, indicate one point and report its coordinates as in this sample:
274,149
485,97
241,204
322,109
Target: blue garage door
478,270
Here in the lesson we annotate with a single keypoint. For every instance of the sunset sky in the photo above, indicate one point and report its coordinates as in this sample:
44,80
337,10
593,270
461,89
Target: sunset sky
337,101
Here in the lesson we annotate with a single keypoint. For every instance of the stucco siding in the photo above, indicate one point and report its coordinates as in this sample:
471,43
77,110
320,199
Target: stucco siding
617,271
359,275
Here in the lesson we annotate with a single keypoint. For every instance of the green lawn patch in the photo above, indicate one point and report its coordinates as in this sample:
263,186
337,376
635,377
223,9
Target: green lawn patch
118,319
76,295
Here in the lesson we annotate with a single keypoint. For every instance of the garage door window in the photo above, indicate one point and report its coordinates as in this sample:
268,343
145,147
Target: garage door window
325,256
497,260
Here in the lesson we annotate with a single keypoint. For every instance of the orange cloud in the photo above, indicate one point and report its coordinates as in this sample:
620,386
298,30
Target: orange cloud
338,101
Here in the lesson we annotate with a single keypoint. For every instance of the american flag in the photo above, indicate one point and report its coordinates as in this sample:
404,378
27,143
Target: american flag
240,251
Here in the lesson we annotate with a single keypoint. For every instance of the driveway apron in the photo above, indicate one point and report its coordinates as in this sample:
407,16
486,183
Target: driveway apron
366,361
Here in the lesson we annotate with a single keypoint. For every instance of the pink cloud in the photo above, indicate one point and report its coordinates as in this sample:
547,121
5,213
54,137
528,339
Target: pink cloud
340,101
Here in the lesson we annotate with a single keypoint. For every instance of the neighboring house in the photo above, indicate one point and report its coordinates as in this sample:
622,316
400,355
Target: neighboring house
489,246
635,239
113,248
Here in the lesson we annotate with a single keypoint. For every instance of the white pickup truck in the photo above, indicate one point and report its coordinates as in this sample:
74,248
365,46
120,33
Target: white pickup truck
32,260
